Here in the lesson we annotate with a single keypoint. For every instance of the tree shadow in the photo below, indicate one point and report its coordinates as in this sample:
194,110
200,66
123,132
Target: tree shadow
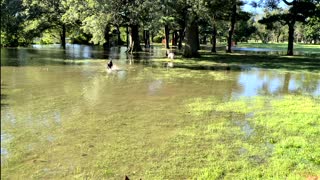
293,63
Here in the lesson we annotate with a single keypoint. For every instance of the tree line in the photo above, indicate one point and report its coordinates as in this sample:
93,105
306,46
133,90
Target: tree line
188,21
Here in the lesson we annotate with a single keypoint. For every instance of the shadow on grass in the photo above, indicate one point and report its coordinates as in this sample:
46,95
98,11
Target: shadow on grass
292,63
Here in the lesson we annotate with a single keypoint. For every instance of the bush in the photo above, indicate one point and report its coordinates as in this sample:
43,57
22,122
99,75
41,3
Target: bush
158,39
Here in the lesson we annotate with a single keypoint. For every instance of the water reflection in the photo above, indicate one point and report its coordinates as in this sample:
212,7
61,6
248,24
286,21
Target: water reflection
266,51
264,82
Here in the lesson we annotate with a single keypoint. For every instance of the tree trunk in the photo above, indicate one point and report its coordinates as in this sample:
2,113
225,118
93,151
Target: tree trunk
197,37
232,24
204,40
214,39
291,38
278,36
175,38
152,36
192,41
134,45
106,45
127,34
146,38
120,42
166,32
181,37
63,36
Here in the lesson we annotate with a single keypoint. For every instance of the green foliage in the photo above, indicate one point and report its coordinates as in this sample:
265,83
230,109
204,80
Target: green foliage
312,28
23,20
12,19
244,30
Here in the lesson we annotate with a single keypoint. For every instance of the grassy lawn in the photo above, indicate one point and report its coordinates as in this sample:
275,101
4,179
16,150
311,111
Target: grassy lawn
235,61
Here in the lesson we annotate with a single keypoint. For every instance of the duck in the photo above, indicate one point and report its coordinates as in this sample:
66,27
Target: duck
110,64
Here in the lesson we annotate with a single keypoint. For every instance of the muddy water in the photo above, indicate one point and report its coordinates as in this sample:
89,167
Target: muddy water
62,115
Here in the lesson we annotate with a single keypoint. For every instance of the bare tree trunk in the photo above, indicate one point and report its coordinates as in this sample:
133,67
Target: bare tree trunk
175,38
120,42
192,41
181,37
152,36
278,36
197,38
204,40
134,44
232,24
166,31
214,39
146,38
291,38
63,36
106,45
127,34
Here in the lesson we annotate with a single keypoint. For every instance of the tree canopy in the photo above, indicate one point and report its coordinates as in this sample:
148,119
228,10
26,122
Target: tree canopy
186,20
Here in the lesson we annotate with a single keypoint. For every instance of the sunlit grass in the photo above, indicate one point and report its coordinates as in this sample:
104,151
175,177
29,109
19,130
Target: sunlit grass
283,143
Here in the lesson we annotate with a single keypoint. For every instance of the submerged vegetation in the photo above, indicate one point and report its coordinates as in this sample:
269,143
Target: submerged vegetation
74,120
272,137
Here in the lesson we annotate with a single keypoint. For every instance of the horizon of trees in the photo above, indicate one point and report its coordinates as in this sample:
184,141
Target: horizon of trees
119,22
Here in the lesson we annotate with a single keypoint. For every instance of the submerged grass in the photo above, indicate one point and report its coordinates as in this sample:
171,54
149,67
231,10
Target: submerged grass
179,135
97,126
283,144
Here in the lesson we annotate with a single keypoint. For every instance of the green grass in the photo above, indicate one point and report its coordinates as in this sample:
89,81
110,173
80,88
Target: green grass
258,138
282,143
237,61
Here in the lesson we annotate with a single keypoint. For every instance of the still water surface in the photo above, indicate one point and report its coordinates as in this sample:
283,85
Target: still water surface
61,114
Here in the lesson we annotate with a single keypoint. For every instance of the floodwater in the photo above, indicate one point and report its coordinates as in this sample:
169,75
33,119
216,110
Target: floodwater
268,51
62,114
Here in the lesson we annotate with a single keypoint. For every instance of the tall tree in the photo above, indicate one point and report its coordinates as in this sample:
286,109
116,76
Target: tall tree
299,11
216,11
48,15
166,19
234,15
195,10
12,19
181,9
312,28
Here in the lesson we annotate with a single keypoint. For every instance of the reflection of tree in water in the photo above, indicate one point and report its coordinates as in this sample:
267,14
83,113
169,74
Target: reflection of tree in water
293,83
307,82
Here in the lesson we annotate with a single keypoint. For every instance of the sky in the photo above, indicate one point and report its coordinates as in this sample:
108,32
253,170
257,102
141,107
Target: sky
251,9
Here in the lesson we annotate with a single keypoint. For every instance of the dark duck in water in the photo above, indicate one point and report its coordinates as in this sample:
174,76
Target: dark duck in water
110,64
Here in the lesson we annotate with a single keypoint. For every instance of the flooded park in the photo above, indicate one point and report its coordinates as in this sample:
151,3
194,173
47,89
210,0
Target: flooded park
63,115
